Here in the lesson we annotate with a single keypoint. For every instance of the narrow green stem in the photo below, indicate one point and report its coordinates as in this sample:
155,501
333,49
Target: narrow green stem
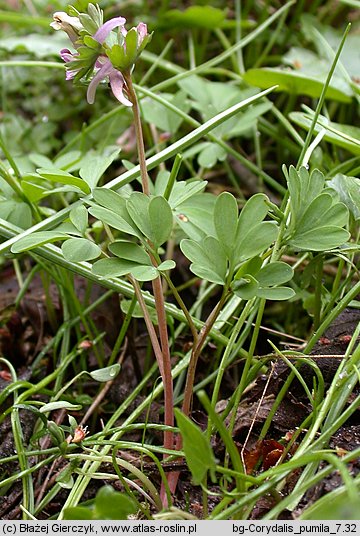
224,362
183,308
318,285
247,365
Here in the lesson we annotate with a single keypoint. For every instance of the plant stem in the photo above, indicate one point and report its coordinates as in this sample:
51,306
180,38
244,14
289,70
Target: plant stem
163,353
138,132
183,308
167,378
190,378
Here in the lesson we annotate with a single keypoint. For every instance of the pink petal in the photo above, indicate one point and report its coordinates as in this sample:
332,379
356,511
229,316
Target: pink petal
117,84
102,73
142,32
106,28
66,55
70,75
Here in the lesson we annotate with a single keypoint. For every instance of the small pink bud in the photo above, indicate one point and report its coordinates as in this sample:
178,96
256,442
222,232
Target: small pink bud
142,32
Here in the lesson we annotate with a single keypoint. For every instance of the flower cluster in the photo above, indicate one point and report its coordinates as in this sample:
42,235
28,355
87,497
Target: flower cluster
103,51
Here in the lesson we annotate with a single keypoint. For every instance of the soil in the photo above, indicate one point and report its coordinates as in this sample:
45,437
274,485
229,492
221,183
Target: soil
26,329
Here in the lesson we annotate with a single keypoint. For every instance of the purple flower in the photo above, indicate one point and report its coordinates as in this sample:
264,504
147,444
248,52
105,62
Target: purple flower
116,80
96,53
142,32
107,27
68,56
105,67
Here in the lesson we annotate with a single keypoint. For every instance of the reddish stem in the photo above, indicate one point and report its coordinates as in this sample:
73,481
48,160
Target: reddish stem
163,354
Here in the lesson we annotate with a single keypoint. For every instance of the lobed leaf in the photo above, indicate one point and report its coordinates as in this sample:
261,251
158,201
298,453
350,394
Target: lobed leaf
64,178
129,251
161,220
113,267
226,221
79,218
80,249
114,220
320,238
138,208
37,239
274,273
256,240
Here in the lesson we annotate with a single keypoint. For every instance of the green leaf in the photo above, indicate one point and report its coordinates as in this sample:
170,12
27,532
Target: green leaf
105,374
346,136
138,208
59,404
193,251
320,238
198,452
68,228
112,267
348,189
79,217
255,241
37,239
167,265
129,251
304,188
80,249
216,255
77,513
56,432
206,273
41,161
162,117
117,56
161,220
67,482
111,504
114,220
208,258
210,154
251,267
95,166
314,215
246,287
66,161
90,42
16,212
226,220
185,192
276,293
137,311
65,478
131,45
144,273
252,213
195,216
64,178
295,83
34,192
33,42
333,506
274,273
206,17
110,199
